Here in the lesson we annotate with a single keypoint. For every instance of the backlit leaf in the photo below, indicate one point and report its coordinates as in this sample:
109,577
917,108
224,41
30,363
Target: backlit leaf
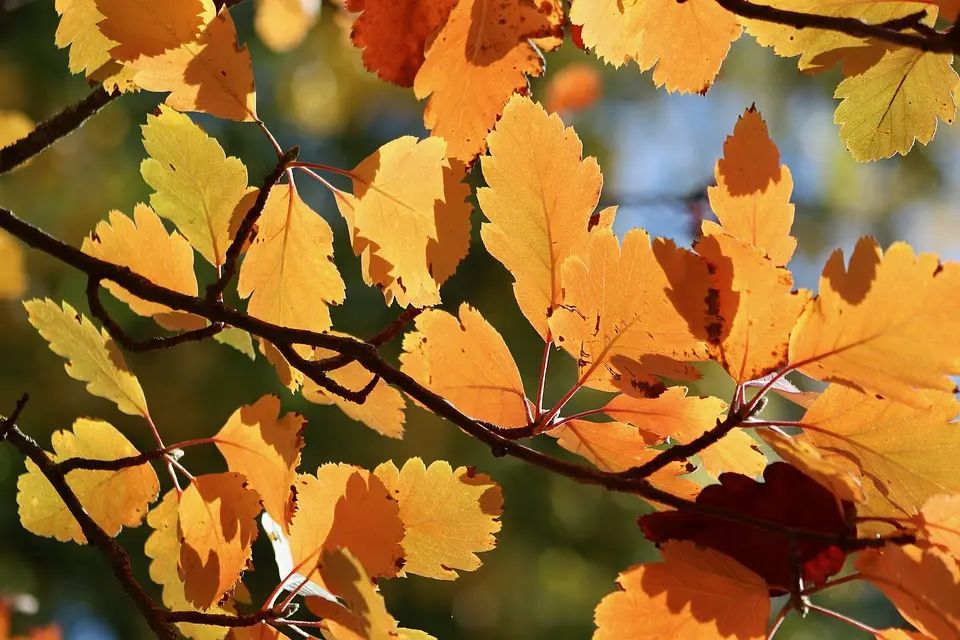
283,24
148,28
217,528
366,617
468,363
540,197
114,499
448,515
92,356
672,414
694,593
940,521
89,48
257,443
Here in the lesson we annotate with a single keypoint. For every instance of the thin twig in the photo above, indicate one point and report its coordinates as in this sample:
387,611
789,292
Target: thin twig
71,464
8,423
391,331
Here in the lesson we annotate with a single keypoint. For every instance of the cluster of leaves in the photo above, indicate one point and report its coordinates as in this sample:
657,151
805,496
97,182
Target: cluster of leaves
875,453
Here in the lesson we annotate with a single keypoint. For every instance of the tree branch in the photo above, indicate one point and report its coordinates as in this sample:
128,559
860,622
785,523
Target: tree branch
71,464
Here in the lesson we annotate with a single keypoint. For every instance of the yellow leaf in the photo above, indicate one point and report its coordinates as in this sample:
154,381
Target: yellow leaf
695,593
163,549
218,525
903,454
92,355
238,339
89,48
752,196
940,521
478,59
448,515
213,74
288,273
283,24
672,414
887,324
617,319
612,30
366,617
148,28
468,364
197,186
143,245
114,499
735,452
895,102
687,41
799,452
13,271
257,443
540,197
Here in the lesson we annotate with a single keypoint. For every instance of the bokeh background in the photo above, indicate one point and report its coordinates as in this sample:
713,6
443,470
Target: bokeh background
562,544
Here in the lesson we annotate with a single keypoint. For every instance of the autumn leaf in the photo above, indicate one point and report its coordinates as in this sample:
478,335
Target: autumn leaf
197,186
163,549
92,356
799,452
886,324
924,584
672,414
259,631
143,245
288,272
468,363
940,521
694,593
393,34
366,616
540,197
212,74
574,88
218,525
617,319
752,196
113,499
345,506
612,30
89,48
146,28
283,24
904,455
895,102
13,281
475,62
448,515
901,634
265,448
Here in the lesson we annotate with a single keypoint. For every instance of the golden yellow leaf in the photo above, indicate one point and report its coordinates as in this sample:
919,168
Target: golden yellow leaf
448,515
540,197
288,272
924,584
92,356
142,244
799,452
283,24
887,324
612,29
163,549
672,414
89,48
238,339
695,594
468,363
895,102
904,455
218,525
617,319
940,521
212,74
366,617
478,59
265,448
148,28
114,499
197,186
13,270
752,196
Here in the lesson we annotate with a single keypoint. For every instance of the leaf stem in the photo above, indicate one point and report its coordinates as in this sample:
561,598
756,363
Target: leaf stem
809,591
839,616
324,167
784,611
542,382
574,416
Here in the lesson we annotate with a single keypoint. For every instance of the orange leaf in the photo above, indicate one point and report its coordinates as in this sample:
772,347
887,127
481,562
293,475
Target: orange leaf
904,455
283,24
901,634
448,515
257,443
288,272
468,364
217,527
612,30
393,34
148,28
89,48
114,499
695,594
144,246
574,88
345,506
940,521
887,324
617,319
799,452
259,631
539,201
478,59
752,196
672,414
367,617
212,74
924,584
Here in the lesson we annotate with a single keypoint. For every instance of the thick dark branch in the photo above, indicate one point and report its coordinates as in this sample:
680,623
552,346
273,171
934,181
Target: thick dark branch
60,125
389,332
229,270
223,620
70,464
151,344
310,369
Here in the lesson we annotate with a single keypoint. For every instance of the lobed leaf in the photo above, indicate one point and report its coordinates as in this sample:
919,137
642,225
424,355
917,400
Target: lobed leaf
147,28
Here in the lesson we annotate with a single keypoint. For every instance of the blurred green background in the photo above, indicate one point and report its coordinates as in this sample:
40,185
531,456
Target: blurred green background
562,544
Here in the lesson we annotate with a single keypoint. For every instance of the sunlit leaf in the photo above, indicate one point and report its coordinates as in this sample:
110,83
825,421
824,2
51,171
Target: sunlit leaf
147,28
